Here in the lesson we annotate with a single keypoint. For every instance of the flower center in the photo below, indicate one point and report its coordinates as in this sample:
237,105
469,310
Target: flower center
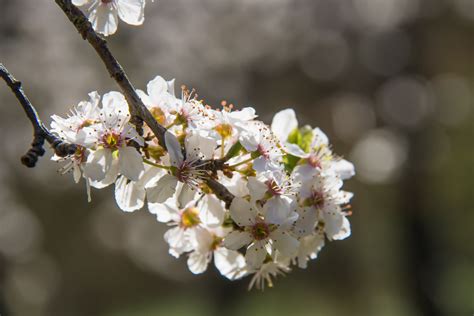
263,151
318,199
216,242
106,1
112,140
190,217
274,188
314,161
158,113
80,155
260,231
225,130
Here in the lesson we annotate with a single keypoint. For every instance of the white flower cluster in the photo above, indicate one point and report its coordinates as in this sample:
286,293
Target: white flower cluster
285,179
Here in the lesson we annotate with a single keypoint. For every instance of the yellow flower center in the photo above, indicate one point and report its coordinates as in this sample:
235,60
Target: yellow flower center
260,231
158,114
111,140
225,130
190,217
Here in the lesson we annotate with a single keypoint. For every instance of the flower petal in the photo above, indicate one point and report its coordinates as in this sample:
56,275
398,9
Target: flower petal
98,163
230,263
156,88
164,189
79,2
174,149
287,245
130,163
283,123
278,211
104,19
198,262
129,195
345,230
131,11
257,189
343,168
256,254
178,241
237,239
212,212
241,212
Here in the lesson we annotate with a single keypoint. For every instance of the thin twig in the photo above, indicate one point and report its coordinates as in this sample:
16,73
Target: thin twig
220,191
40,132
138,110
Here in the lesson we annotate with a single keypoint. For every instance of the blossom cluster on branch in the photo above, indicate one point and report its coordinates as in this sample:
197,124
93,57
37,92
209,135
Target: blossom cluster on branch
285,179
253,199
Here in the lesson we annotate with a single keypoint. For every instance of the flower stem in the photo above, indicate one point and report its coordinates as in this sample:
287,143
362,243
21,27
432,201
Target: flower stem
148,162
242,162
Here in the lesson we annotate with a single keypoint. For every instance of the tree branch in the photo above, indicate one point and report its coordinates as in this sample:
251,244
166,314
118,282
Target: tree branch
138,110
40,132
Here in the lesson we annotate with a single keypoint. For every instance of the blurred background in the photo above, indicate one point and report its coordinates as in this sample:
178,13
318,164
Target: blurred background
390,81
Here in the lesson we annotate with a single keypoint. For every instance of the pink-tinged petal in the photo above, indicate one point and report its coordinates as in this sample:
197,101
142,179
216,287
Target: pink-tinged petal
230,263
255,254
237,239
131,11
174,149
241,212
282,241
283,123
130,163
129,195
164,189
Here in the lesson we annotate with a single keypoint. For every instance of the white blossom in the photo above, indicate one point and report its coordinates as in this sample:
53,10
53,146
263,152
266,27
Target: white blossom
104,14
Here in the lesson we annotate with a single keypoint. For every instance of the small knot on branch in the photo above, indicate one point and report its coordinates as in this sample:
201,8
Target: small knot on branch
31,157
63,149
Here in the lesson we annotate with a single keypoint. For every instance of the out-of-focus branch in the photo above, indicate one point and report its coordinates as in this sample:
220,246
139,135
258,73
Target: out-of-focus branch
138,110
40,132
220,191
